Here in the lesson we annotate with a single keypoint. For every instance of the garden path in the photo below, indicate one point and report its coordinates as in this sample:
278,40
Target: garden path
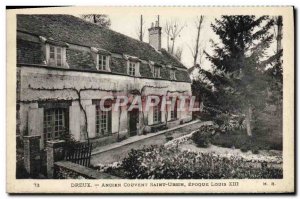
117,151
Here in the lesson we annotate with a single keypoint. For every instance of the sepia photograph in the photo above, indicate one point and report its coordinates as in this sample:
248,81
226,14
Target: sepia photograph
152,95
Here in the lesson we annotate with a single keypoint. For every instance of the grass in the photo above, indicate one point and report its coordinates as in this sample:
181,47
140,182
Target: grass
241,140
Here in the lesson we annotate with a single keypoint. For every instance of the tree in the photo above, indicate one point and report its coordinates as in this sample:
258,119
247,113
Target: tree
178,53
140,30
99,19
172,30
195,51
240,63
202,89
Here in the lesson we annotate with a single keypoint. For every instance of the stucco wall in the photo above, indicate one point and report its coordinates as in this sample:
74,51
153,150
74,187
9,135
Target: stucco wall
40,84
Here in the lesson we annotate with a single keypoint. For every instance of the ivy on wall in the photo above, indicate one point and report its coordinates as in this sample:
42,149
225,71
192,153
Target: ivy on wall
79,98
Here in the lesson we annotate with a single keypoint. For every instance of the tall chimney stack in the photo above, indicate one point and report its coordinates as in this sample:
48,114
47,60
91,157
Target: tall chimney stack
155,35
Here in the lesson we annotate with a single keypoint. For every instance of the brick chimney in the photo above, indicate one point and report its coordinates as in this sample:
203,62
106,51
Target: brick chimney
155,35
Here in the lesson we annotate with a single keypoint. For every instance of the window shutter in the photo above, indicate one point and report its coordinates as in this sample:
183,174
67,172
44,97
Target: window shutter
91,120
178,111
36,123
175,109
158,75
137,69
107,63
109,121
74,121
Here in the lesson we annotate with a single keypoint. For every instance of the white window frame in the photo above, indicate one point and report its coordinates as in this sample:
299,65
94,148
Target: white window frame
172,74
54,123
173,110
100,59
53,60
132,68
156,72
102,122
157,114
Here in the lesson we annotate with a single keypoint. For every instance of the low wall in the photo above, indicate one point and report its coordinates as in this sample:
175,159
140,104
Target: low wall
69,170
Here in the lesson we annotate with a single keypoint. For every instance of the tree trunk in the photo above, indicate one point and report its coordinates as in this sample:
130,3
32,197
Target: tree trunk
94,19
172,49
141,30
168,42
248,120
279,33
197,40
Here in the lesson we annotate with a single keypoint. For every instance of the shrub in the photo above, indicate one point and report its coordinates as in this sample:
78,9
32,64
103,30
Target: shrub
121,138
203,136
169,138
255,150
245,148
201,139
168,163
146,130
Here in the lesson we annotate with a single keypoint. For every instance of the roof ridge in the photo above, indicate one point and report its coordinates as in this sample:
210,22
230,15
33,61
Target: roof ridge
108,29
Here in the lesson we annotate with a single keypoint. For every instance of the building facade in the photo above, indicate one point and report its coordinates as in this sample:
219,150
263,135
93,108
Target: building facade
66,66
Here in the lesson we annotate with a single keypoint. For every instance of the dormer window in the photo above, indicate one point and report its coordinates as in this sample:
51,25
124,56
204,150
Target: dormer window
156,72
56,55
103,62
172,74
55,52
133,68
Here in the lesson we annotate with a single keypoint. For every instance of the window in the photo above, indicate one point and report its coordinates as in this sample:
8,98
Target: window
103,121
156,72
156,114
102,62
132,68
56,56
54,123
172,75
174,110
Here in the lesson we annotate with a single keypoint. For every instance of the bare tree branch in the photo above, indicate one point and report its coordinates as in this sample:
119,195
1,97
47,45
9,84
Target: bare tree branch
172,30
99,19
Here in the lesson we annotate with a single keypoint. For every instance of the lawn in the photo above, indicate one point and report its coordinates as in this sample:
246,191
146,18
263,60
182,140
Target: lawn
241,140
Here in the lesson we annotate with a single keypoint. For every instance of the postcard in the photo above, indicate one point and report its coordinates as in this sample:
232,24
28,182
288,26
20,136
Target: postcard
150,100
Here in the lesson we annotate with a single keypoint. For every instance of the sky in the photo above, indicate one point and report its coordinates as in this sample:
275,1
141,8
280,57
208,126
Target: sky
129,25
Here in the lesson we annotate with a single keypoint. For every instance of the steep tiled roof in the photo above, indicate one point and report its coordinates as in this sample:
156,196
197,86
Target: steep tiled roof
29,52
79,59
72,30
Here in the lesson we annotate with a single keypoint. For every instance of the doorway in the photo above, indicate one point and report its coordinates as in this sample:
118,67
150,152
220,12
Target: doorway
133,121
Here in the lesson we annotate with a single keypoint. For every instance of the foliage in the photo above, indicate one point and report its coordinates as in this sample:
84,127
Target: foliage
70,141
169,163
240,140
101,20
21,172
175,142
62,173
229,123
239,63
203,136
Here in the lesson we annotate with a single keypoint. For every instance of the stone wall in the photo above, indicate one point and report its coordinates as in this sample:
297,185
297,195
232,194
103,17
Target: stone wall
69,170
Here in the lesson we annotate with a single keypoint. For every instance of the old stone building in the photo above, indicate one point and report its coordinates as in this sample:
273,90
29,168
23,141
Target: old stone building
66,65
